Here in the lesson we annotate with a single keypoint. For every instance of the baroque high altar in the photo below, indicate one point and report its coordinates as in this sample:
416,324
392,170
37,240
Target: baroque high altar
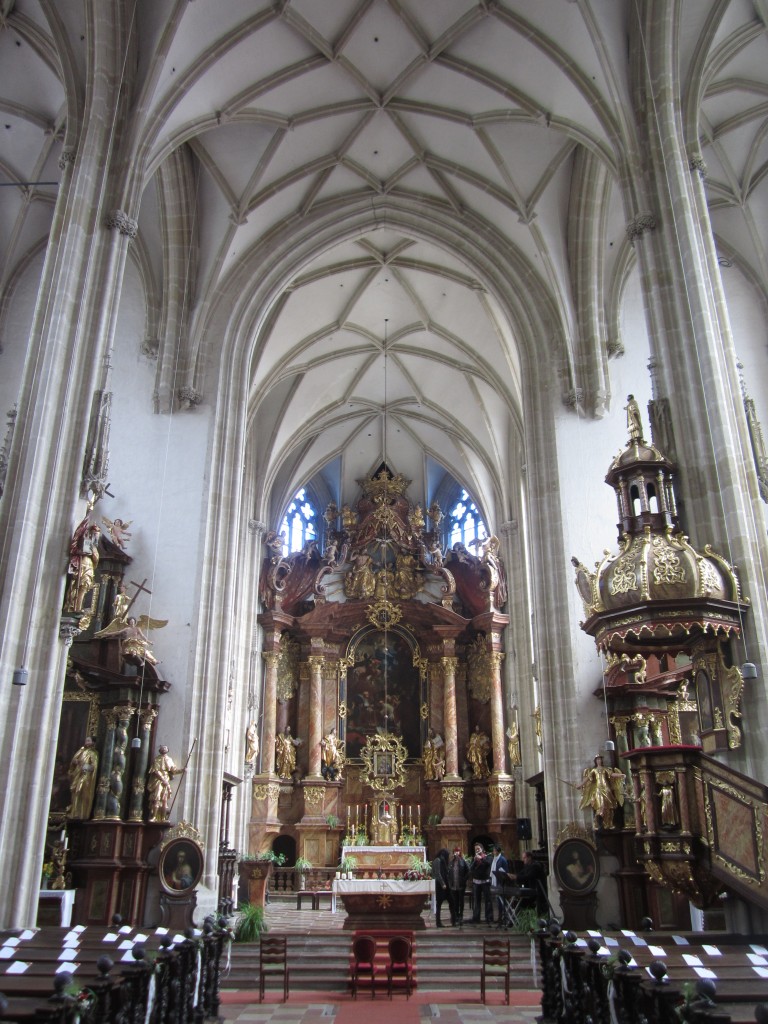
382,707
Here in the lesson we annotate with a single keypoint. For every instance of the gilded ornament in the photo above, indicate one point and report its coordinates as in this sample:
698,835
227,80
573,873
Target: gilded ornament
342,710
667,567
384,614
505,791
287,668
424,712
383,759
184,830
314,795
624,576
480,666
453,795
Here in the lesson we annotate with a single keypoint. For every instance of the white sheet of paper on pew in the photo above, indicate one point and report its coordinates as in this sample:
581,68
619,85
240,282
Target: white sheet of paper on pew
140,938
178,937
27,934
712,951
691,960
656,951
79,928
126,929
638,941
128,956
66,954
759,949
161,931
72,943
756,958
70,966
593,934
603,951
761,972
680,941
627,931
705,972
17,967
110,937
611,942
126,944
13,941
580,942
6,952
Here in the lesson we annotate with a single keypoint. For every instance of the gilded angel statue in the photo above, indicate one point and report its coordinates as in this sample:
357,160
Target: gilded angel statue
602,790
134,643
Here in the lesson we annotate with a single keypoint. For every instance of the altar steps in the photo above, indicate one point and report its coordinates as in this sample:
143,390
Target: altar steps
445,960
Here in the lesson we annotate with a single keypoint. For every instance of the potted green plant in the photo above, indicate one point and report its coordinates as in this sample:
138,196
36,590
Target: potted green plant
348,865
250,923
331,820
302,867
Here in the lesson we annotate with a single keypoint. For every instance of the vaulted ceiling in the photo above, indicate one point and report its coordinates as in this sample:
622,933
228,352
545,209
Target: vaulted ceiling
488,117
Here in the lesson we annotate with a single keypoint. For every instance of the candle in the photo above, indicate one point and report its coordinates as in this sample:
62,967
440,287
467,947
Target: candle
410,814
347,819
357,816
418,816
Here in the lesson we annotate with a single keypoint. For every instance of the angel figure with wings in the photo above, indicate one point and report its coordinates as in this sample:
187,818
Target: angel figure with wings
602,790
118,531
134,643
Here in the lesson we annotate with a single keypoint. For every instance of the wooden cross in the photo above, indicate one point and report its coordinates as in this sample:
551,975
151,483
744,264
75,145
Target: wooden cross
139,588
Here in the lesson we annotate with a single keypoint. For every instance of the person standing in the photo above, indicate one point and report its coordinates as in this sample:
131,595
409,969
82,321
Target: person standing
532,876
480,873
458,872
499,871
440,875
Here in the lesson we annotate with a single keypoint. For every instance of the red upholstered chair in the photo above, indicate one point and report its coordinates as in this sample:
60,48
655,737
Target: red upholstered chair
273,962
363,957
400,963
496,964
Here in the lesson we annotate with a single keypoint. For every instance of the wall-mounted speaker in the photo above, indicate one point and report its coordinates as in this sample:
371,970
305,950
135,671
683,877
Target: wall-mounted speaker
524,828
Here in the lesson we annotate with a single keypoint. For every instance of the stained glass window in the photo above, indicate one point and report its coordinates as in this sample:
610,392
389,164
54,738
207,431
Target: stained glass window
465,523
299,523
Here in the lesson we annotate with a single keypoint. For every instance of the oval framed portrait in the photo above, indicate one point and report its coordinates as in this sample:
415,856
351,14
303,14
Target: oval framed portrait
181,866
576,866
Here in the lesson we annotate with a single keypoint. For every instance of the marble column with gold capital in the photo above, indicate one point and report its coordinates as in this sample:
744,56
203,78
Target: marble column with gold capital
135,813
270,712
497,714
105,764
316,664
450,722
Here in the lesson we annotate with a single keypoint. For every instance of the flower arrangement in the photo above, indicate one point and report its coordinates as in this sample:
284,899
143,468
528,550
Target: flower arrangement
418,870
265,856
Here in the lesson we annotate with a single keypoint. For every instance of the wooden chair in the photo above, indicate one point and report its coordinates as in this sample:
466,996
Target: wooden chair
496,964
400,963
363,957
273,961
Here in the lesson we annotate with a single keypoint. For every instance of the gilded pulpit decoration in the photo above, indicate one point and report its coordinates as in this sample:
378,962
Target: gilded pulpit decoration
625,574
667,567
667,798
287,668
480,663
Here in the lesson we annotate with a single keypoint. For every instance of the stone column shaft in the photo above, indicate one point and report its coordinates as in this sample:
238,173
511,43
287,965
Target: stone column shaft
316,664
270,712
497,714
450,721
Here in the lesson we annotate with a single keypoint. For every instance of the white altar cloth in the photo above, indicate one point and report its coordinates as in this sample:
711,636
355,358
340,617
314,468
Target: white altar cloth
394,885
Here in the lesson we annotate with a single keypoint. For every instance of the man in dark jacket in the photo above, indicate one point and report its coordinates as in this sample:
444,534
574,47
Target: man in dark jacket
440,875
458,872
480,873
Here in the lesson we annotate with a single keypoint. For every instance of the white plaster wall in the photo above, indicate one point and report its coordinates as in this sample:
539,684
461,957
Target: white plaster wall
158,472
586,448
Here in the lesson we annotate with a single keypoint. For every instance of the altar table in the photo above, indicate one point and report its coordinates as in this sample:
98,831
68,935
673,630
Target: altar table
382,902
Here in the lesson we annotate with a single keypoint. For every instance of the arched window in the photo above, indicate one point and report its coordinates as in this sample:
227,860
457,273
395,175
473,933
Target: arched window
299,523
465,523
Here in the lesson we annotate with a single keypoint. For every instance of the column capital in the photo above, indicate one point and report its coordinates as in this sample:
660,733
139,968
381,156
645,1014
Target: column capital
639,224
125,225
